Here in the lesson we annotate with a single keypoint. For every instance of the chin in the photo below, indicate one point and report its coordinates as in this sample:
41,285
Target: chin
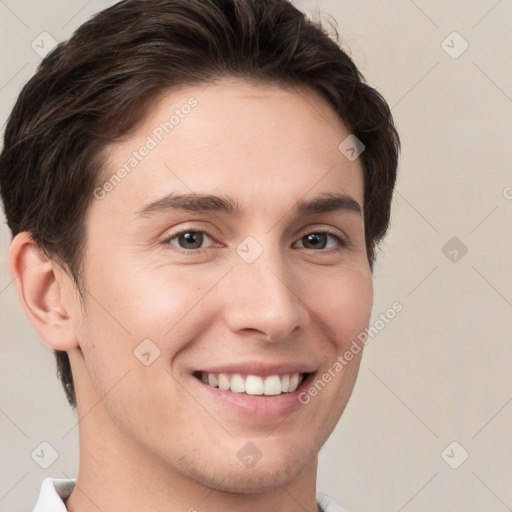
266,475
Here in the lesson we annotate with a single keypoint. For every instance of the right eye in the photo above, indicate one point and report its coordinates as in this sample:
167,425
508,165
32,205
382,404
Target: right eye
188,240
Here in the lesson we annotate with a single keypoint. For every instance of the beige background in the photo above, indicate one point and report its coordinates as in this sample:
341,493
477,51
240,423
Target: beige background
440,371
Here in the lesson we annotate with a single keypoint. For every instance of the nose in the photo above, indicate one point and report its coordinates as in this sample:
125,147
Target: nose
262,297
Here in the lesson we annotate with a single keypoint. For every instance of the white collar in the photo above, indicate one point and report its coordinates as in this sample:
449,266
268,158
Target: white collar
52,495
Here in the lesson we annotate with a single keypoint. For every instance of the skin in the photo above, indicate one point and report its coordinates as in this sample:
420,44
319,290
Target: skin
150,438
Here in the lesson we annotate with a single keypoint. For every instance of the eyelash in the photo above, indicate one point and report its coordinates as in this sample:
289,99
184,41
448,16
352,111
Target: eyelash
343,243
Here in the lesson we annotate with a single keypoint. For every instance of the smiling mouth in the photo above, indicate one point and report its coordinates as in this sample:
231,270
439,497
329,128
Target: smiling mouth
271,385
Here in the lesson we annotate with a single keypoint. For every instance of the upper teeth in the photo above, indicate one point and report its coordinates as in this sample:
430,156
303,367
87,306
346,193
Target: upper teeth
253,384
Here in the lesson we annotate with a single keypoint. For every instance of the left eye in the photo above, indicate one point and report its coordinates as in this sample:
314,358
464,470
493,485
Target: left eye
318,240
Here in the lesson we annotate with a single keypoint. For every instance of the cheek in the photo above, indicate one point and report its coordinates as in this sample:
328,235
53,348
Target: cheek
166,302
344,304
149,302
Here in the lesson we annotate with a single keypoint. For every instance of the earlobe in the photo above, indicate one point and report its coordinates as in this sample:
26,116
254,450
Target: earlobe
40,294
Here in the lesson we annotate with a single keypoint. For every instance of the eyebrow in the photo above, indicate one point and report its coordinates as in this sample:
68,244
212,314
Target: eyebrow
196,202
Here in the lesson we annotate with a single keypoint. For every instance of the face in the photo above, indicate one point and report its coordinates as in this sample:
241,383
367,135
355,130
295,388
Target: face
231,254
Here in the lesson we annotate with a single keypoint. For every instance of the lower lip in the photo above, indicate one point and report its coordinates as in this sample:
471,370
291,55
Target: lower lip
257,406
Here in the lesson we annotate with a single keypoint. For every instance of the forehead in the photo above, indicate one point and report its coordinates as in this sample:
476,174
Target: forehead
235,137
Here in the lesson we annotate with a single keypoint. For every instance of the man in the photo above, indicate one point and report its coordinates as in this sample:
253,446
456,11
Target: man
196,189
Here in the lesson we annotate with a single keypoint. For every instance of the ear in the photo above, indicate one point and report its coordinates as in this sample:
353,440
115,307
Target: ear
39,290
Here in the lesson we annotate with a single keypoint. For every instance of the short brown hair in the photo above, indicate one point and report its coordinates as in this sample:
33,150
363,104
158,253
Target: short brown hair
94,88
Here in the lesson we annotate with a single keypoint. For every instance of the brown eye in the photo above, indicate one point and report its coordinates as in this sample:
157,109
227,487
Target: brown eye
319,239
188,240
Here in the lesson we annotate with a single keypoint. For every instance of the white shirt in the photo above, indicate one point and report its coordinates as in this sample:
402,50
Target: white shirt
55,490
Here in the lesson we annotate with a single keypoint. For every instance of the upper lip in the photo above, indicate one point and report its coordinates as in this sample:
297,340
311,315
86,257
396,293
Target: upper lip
261,368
